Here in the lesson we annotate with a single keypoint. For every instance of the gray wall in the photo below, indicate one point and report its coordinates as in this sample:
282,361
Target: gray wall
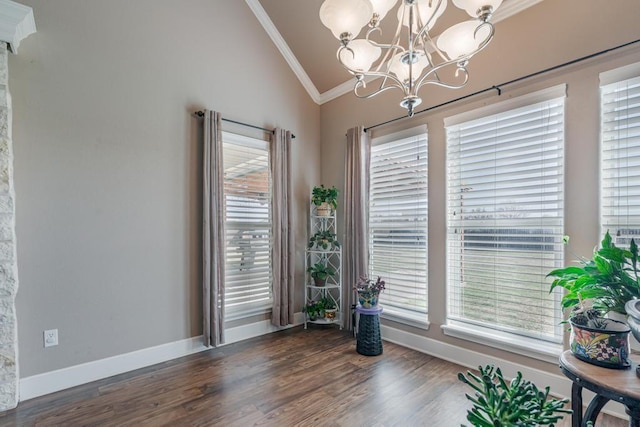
107,164
550,33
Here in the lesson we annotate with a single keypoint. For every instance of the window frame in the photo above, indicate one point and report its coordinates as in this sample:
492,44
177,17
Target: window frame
413,318
261,306
496,336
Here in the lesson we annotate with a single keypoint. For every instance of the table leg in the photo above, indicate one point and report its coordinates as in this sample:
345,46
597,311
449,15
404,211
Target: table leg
594,408
576,405
634,416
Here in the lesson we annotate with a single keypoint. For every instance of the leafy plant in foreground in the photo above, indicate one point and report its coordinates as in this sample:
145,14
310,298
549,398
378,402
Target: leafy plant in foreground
518,403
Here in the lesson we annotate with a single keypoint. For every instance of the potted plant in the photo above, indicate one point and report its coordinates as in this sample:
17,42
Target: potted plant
609,279
325,199
320,273
368,291
330,307
498,402
324,239
313,309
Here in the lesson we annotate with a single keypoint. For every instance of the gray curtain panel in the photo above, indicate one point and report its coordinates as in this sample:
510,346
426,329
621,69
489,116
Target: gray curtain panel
356,200
283,234
213,238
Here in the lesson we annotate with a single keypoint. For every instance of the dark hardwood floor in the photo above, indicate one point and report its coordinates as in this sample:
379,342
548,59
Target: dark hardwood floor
296,377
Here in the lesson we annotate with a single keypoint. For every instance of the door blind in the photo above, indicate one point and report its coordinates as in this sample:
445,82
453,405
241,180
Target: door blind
247,187
505,219
620,158
398,225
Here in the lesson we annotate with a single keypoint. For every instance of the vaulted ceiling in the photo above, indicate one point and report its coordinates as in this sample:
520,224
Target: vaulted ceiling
310,48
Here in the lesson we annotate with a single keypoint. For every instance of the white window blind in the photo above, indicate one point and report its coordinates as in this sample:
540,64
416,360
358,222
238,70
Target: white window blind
620,159
398,225
247,187
505,217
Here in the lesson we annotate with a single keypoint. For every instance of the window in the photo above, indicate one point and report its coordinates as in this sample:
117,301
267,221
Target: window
398,224
505,216
247,188
620,154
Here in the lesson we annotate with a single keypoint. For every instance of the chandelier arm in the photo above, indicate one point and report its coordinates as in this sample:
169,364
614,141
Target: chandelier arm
424,30
438,81
393,45
374,93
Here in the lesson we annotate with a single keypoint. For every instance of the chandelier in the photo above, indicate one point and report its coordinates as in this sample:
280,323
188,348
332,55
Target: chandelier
413,58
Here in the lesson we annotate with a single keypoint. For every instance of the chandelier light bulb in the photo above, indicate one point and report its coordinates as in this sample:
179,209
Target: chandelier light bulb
473,6
401,69
381,7
345,17
360,55
422,9
462,39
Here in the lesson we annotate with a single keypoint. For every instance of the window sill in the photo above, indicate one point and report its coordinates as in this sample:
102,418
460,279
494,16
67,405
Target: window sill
530,347
414,320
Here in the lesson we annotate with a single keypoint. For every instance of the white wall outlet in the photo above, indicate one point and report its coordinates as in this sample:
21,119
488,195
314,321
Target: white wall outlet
50,337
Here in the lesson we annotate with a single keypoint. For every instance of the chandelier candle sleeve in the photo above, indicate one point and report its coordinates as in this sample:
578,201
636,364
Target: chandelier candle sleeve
411,57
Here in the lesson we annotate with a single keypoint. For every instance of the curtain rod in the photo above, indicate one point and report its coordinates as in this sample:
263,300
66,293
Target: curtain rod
201,114
498,87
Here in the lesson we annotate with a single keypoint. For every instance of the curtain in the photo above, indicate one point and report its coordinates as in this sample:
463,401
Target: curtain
283,249
356,192
213,239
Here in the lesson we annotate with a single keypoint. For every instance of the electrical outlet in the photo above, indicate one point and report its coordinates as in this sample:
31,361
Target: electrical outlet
50,337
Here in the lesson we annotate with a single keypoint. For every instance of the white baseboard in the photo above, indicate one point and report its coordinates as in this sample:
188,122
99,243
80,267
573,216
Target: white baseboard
50,382
559,384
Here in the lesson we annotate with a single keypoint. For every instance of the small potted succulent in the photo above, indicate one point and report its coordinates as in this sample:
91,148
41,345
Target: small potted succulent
320,273
368,291
323,240
325,199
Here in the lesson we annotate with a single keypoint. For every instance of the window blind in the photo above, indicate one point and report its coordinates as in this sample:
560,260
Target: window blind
398,225
247,187
505,219
620,160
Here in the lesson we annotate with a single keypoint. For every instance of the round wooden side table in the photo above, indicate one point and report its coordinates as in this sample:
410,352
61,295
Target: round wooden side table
619,385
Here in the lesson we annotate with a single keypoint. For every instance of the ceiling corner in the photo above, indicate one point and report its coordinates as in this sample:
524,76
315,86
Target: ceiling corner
16,23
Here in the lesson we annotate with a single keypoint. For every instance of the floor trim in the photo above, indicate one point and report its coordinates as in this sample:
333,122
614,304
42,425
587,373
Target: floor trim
50,382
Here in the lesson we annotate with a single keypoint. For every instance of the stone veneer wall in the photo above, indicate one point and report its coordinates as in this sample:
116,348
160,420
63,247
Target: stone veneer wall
8,265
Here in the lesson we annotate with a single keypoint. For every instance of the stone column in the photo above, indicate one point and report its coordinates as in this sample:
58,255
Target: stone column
8,265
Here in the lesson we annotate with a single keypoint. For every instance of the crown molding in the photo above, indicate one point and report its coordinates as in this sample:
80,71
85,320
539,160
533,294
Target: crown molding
16,23
284,49
507,10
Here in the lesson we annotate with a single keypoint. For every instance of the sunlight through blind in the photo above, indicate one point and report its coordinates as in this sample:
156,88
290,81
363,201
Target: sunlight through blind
505,217
620,160
247,187
398,225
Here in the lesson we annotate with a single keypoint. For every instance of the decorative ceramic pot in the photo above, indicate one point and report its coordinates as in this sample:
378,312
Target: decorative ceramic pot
368,299
330,313
607,347
324,209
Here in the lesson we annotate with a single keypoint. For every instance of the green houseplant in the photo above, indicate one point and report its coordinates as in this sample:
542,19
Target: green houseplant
609,279
325,199
498,403
313,309
320,273
323,239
